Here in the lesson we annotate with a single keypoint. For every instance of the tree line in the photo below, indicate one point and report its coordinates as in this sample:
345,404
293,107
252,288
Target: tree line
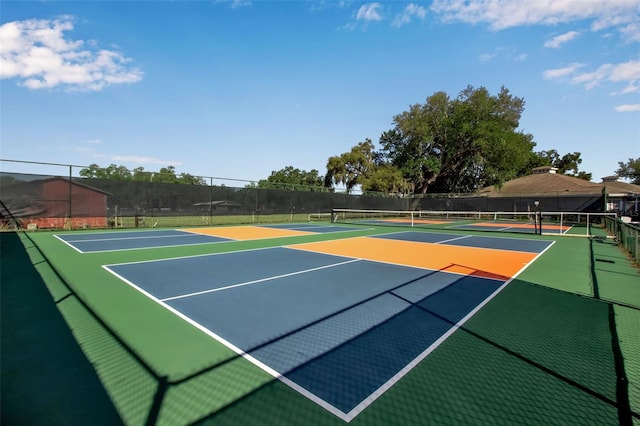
444,145
139,174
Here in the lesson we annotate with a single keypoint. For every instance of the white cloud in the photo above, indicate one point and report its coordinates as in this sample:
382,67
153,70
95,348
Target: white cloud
318,5
631,32
144,160
37,53
621,17
627,73
234,4
561,72
632,87
628,108
369,12
557,41
351,26
83,149
502,14
240,3
503,52
487,57
88,146
412,10
521,57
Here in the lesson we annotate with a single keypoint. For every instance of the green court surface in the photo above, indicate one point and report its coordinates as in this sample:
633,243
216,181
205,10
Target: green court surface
557,345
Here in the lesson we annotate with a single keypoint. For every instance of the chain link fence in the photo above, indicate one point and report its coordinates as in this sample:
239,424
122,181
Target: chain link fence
61,199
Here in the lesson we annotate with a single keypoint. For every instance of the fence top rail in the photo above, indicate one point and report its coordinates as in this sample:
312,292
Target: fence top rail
505,212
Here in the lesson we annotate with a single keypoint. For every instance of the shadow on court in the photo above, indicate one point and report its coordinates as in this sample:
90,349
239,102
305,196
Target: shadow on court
539,356
46,379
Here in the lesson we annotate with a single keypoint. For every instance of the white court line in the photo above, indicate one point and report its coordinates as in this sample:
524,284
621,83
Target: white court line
168,259
462,274
400,374
70,245
485,236
321,402
159,247
184,234
453,239
311,228
275,277
347,417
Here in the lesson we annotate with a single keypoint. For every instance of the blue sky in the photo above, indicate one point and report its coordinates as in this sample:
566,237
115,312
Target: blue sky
238,89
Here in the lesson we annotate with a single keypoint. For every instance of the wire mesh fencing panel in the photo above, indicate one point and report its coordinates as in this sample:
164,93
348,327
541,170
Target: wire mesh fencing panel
627,234
64,200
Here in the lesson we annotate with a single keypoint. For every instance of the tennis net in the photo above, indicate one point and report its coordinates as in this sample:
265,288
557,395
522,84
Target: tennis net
527,222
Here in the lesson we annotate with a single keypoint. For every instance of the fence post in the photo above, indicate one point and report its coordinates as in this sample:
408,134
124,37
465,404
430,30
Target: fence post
210,200
70,192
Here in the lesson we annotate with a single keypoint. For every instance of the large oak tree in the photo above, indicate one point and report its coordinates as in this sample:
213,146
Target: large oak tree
461,144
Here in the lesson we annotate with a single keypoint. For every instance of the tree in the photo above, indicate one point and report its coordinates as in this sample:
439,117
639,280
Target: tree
630,170
292,178
93,171
352,168
188,179
459,145
388,179
8,180
139,174
166,175
567,164
111,172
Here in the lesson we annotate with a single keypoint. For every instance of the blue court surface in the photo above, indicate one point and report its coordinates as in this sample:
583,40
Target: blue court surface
500,243
133,240
337,329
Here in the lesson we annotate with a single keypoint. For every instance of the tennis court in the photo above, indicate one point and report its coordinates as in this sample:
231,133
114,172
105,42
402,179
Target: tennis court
310,323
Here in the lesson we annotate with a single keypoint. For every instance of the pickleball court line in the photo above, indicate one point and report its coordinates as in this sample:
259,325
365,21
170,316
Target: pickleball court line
275,277
348,416
452,239
524,237
400,374
266,368
182,234
152,247
311,228
185,234
70,245
388,262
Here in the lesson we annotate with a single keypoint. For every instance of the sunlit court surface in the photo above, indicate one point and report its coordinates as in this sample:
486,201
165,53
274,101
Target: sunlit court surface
334,323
